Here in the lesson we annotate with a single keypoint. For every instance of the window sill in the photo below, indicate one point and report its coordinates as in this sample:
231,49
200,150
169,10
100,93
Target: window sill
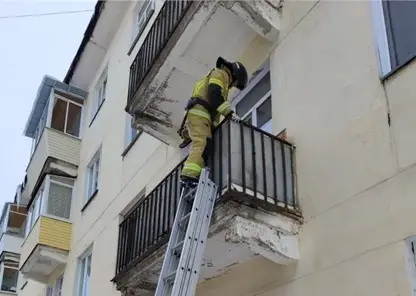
131,144
8,292
96,113
398,68
89,200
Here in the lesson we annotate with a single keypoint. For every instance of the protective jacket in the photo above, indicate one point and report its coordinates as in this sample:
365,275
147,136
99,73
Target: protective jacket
210,96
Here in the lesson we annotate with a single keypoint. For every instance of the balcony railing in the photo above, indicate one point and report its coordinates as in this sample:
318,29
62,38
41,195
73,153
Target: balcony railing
248,164
165,24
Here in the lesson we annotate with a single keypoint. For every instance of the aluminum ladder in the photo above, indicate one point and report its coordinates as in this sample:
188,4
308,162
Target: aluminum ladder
182,262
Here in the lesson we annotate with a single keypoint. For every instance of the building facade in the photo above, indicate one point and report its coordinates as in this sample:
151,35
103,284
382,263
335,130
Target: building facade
316,186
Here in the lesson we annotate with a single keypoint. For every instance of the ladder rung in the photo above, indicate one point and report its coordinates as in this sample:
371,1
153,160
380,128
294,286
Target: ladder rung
189,195
184,219
178,248
170,277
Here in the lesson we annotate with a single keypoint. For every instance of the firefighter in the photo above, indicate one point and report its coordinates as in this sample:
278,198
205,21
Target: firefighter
208,102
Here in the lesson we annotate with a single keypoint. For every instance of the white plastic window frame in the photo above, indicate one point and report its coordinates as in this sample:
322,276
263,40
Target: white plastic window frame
140,18
51,103
57,287
40,203
380,37
68,101
93,176
100,93
2,275
265,69
130,133
81,288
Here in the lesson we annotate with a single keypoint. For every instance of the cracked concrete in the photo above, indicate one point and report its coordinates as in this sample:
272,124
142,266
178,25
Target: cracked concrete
237,234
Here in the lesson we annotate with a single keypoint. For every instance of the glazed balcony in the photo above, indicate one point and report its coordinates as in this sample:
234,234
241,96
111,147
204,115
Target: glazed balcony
255,174
48,229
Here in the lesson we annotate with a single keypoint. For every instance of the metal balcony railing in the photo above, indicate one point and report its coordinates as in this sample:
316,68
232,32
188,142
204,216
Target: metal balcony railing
165,24
249,166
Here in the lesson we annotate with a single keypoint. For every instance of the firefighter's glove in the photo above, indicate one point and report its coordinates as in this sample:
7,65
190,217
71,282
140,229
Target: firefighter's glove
235,118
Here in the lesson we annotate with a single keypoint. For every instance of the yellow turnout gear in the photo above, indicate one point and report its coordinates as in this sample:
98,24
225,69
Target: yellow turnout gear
199,129
201,117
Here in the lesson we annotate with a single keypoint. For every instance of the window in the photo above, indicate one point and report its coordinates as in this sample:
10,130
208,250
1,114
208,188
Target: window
84,274
394,24
66,116
54,198
141,16
14,221
100,93
254,104
58,286
49,291
131,133
93,175
9,278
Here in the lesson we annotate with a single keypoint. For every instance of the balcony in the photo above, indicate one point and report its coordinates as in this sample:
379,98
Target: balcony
12,228
56,153
183,44
48,229
255,213
55,128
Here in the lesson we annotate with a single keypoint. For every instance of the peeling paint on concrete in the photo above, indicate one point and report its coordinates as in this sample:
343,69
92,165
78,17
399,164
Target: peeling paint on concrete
237,234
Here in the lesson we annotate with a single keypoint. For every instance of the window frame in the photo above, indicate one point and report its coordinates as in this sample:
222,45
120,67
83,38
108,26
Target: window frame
264,69
381,27
129,139
98,98
68,101
41,199
47,113
137,32
57,291
81,277
3,266
253,111
91,171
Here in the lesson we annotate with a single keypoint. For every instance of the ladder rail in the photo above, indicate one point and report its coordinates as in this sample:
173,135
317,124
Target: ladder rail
180,271
199,246
167,261
189,237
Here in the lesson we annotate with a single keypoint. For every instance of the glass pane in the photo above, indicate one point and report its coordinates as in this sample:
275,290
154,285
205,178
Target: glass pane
133,134
58,115
248,119
74,120
58,288
59,200
254,95
96,175
87,276
264,112
9,282
267,127
81,278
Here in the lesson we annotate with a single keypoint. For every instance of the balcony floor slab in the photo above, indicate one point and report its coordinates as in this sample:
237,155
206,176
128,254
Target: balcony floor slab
237,234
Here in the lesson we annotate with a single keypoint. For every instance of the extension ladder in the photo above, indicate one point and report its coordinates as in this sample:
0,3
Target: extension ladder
182,262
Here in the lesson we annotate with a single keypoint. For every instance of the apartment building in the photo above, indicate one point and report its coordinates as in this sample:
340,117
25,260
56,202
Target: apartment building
316,186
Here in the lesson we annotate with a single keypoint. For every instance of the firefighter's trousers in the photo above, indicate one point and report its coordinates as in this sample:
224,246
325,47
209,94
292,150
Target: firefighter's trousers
199,129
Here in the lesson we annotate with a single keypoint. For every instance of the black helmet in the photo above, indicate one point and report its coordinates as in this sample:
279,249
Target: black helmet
238,71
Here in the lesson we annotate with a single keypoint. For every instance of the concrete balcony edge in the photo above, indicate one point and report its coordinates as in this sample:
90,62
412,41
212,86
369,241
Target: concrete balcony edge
246,231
